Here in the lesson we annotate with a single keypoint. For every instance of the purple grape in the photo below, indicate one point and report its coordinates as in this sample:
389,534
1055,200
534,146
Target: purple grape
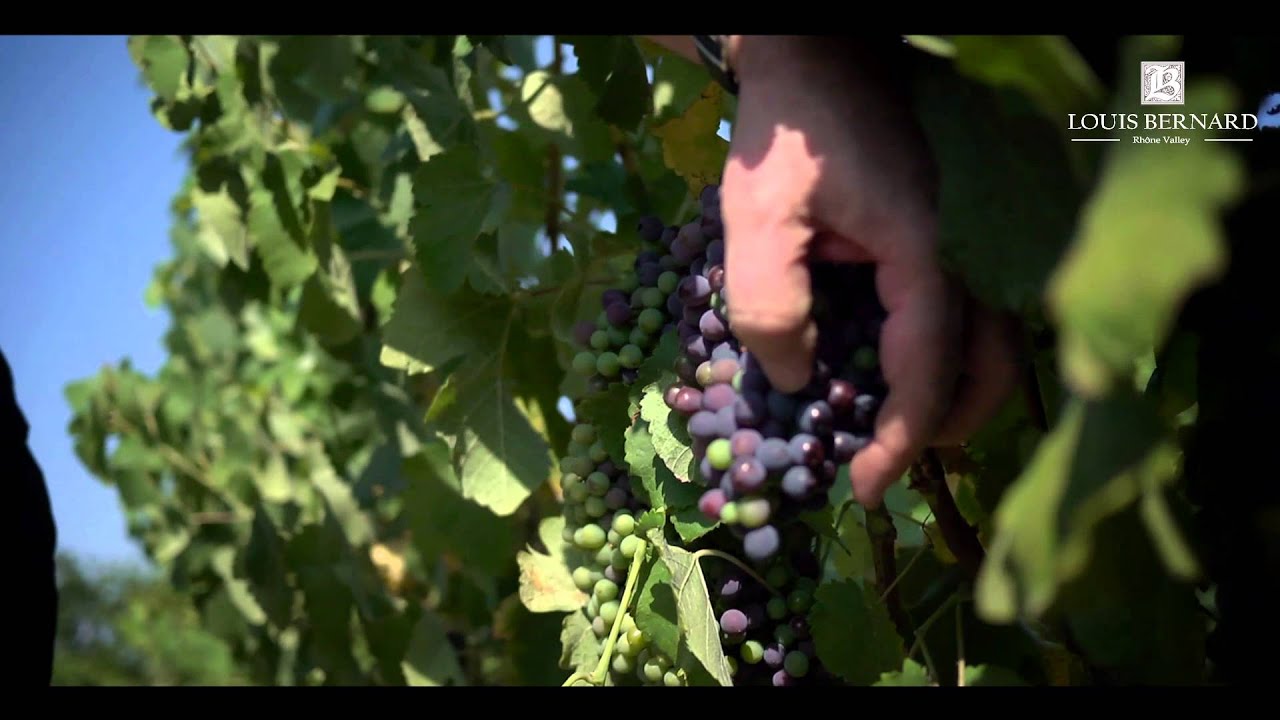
608,468
774,654
774,454
609,297
691,233
773,429
724,351
744,442
710,474
712,326
582,332
781,405
840,396
647,274
733,621
696,350
702,425
675,308
753,377
718,396
800,626
669,395
697,266
749,409
723,370
704,374
798,482
730,588
780,678
646,257
710,503
805,449
761,543
864,408
709,197
846,445
668,235
715,275
686,370
747,474
669,262
694,291
688,401
726,425
756,616
692,315
630,375
684,251
816,418
686,331
619,314
615,499
650,228
713,227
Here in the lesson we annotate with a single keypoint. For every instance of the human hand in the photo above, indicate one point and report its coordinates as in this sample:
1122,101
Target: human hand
827,163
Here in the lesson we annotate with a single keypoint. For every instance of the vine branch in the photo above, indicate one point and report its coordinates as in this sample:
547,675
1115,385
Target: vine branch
555,162
929,478
884,538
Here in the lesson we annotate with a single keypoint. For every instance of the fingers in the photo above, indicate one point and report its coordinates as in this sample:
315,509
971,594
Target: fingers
766,261
991,374
918,349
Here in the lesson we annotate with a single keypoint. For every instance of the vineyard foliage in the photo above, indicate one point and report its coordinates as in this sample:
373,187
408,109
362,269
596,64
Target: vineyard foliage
351,462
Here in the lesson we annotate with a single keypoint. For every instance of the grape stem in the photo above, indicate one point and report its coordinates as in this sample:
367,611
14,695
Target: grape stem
929,478
884,537
606,655
731,559
959,647
924,629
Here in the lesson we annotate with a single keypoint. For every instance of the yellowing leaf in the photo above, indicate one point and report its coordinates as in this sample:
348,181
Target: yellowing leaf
690,145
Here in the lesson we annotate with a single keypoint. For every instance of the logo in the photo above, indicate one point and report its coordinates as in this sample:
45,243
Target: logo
1163,83
1269,112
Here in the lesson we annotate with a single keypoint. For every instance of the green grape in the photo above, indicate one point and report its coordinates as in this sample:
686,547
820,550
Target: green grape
582,579
777,576
598,483
578,515
776,608
796,664
637,639
783,634
607,364
729,513
578,493
568,480
628,623
653,297
737,382
668,281
733,665
799,601
619,561
600,340
640,338
566,534
623,647
597,452
651,320
584,434
584,363
593,608
618,336
614,537
599,627
595,508
720,455
609,611
603,556
652,672
628,283
624,523
623,664
589,537
703,374
673,678
630,545
806,584
716,301
606,590
752,652
577,465
752,512
630,356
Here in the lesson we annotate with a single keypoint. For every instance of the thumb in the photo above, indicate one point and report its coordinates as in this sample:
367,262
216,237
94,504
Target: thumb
767,279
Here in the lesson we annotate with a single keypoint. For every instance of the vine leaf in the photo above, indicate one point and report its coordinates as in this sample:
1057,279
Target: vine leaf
699,628
453,202
854,635
615,71
656,612
430,659
660,488
674,449
580,647
1113,303
912,674
442,521
1102,457
546,585
690,145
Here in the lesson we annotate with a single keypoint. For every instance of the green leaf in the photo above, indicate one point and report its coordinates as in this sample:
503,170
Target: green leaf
669,437
342,504
1112,301
1102,457
546,584
991,676
1047,68
580,647
699,628
856,564
430,660
442,521
677,84
912,674
660,488
429,327
222,232
453,201
656,614
265,566
609,412
615,71
164,61
542,95
854,636
690,145
1008,197
330,308
286,260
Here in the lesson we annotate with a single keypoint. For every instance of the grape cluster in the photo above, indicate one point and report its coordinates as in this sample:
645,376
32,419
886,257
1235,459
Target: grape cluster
765,456
768,456
764,627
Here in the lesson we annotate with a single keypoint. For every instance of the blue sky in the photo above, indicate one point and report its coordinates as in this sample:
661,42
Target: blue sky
85,196
85,193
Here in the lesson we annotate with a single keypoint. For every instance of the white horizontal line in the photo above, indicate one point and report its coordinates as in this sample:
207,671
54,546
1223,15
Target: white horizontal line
1095,139
1228,139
